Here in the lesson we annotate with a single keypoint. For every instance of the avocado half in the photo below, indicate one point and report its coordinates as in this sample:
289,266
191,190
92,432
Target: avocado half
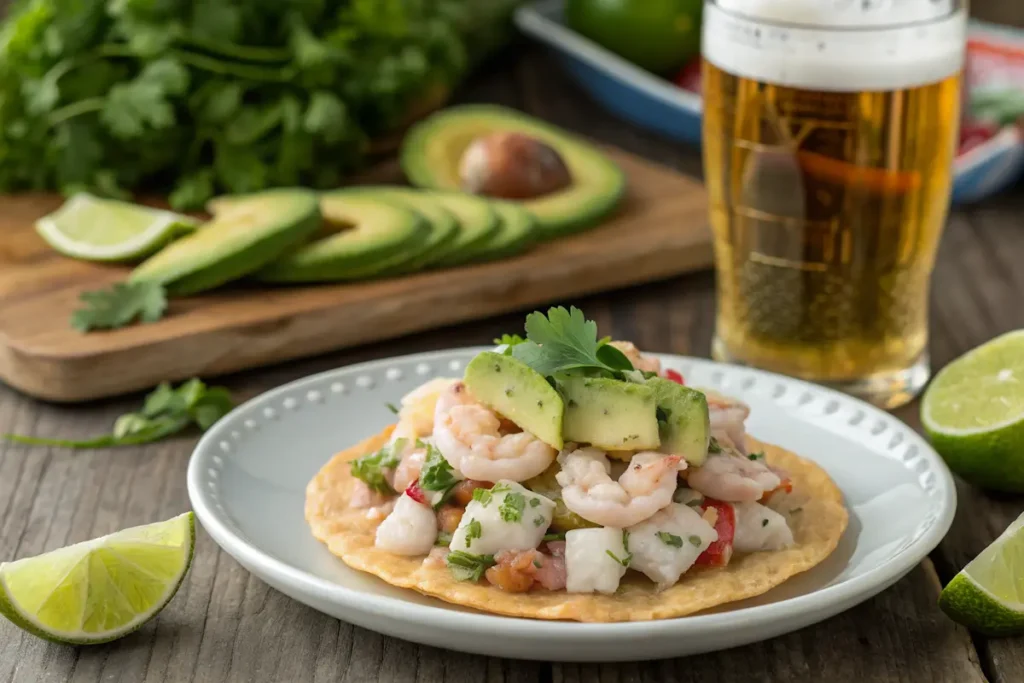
433,149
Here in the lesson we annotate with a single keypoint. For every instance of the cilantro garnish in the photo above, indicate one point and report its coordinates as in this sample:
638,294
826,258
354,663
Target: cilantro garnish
392,407
468,567
473,530
539,521
165,412
444,538
508,341
370,468
764,522
436,474
756,456
534,502
556,536
121,305
537,563
511,509
624,561
565,340
482,496
695,541
670,539
714,446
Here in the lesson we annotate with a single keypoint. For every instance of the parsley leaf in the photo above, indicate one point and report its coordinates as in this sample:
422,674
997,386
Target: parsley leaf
468,567
512,507
670,539
120,305
436,474
165,412
483,496
624,561
370,468
566,340
473,531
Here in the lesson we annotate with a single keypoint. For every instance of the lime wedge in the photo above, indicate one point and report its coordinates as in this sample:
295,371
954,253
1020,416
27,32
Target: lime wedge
100,590
974,414
95,229
988,594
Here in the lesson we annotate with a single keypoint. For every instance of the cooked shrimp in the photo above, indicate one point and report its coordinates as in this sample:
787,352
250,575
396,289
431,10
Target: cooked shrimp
468,434
733,477
408,469
644,488
727,418
639,360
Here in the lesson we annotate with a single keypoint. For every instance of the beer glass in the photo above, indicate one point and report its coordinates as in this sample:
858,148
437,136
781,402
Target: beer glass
829,133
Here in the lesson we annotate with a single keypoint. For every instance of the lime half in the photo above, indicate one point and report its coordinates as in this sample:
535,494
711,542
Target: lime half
988,595
100,590
95,229
974,414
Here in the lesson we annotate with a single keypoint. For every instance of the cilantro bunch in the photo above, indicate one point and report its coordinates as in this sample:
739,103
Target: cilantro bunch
200,97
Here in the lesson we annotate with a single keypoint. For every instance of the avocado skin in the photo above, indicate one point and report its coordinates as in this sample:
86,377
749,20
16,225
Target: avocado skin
686,427
609,414
518,393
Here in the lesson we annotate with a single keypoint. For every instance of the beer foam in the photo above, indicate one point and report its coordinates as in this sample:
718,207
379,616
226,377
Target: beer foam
814,45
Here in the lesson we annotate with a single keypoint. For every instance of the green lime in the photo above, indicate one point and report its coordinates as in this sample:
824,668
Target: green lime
988,594
95,229
657,35
974,414
99,590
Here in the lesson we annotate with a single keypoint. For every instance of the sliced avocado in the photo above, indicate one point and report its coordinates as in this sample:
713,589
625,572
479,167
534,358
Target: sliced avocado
240,240
444,228
478,223
547,485
517,392
609,414
517,231
433,149
683,419
372,236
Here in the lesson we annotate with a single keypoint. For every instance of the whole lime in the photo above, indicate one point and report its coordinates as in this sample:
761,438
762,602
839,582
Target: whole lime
657,35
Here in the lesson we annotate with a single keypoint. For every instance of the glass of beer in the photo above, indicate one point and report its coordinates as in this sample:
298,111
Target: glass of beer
829,134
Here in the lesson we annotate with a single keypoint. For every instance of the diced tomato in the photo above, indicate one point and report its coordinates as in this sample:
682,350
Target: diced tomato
689,77
674,376
719,553
416,493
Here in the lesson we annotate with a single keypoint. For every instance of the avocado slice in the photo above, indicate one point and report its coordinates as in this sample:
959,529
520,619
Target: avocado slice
547,485
241,239
517,392
478,223
517,230
444,227
433,148
685,426
374,236
609,414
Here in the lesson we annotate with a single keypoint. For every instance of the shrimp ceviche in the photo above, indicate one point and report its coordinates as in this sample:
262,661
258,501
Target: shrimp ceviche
567,477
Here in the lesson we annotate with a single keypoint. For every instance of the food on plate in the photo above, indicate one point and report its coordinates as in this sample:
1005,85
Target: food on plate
567,477
435,149
657,35
243,238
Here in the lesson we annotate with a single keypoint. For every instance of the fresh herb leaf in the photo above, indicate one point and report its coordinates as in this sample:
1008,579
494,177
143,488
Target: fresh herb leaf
539,521
565,340
482,496
122,304
370,468
509,339
764,523
473,531
392,407
436,474
534,502
468,567
624,561
537,563
556,536
670,539
756,456
444,538
165,411
695,541
511,509
714,446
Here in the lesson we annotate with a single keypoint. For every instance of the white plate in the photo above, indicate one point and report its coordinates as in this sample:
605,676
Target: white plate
248,475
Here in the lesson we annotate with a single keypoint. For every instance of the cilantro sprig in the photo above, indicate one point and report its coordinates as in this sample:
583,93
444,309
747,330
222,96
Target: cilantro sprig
371,467
565,340
165,412
120,305
467,566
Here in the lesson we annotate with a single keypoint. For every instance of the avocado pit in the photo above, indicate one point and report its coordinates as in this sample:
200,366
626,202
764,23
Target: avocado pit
511,165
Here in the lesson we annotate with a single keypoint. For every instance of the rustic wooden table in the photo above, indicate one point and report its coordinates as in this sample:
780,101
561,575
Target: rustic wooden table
225,625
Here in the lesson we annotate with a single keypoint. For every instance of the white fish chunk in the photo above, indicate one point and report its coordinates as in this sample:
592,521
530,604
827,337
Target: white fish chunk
595,560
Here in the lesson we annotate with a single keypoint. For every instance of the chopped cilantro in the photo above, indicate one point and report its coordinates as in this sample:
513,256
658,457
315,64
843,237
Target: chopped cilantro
512,506
537,563
437,474
370,468
392,407
556,536
473,530
468,567
482,496
670,539
695,540
624,561
539,521
764,523
500,488
534,502
444,538
756,456
713,446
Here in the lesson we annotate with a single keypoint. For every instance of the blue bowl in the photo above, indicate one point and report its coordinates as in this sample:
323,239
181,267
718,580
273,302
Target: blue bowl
651,102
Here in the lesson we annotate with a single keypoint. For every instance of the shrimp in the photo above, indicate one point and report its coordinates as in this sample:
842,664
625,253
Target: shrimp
408,469
639,360
733,477
468,434
644,488
727,417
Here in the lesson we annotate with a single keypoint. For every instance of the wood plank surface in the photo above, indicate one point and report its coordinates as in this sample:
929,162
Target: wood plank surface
661,230
227,626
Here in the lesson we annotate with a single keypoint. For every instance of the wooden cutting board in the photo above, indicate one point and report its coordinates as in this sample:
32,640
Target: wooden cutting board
660,231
